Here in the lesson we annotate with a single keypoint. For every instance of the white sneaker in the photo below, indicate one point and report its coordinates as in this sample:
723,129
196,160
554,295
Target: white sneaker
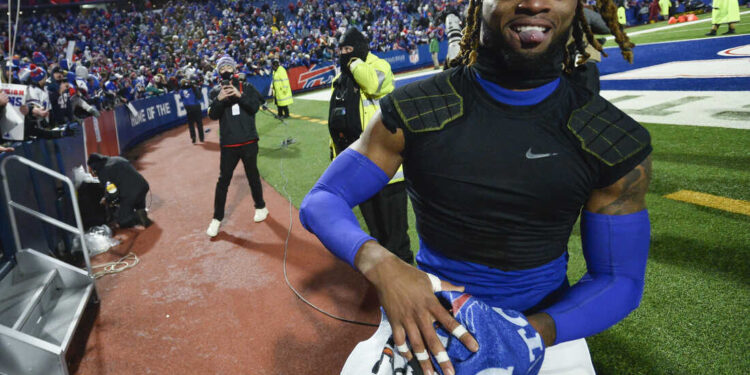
261,214
213,228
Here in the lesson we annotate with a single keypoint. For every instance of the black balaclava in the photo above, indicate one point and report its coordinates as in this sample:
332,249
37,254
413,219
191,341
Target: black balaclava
354,38
511,70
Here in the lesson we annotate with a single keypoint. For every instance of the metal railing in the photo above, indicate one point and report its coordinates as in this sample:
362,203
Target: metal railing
13,206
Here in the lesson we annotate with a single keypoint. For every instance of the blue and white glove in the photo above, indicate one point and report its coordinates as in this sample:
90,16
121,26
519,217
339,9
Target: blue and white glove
508,344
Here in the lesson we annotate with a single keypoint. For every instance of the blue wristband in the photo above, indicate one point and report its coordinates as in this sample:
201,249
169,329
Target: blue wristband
326,211
616,249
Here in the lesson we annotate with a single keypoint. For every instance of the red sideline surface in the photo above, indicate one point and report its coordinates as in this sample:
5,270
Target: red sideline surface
196,305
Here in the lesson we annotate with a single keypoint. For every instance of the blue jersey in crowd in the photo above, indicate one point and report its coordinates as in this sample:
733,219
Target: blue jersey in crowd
188,97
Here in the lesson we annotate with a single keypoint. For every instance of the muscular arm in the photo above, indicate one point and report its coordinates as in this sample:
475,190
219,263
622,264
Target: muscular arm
626,196
615,274
404,291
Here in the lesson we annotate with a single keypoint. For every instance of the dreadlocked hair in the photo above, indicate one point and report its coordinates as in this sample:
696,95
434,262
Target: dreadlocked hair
608,10
470,41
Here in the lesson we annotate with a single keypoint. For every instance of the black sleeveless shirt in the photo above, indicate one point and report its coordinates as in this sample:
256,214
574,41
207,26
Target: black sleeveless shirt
503,185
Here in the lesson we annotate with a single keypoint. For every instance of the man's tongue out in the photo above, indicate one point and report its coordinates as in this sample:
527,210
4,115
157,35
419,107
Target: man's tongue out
531,34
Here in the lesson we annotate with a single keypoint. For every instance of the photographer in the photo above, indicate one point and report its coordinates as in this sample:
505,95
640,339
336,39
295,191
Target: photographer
234,104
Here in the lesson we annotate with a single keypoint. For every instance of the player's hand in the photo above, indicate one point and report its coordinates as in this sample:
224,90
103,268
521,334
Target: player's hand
408,298
6,149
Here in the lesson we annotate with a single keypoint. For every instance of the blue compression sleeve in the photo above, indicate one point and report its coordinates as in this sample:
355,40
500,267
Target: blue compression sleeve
616,250
326,211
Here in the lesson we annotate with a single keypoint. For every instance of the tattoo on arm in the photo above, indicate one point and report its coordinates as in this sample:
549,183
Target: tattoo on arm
628,195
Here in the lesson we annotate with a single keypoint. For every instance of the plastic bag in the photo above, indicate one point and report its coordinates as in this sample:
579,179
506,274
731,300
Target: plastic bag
80,176
98,240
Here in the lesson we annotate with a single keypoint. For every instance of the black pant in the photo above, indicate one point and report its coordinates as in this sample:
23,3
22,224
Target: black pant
385,215
129,204
230,156
284,111
195,119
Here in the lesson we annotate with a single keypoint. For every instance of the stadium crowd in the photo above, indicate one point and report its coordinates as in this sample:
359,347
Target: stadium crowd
120,55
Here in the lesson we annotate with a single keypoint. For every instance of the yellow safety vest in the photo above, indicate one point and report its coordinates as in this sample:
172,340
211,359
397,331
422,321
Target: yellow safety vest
375,80
282,90
665,5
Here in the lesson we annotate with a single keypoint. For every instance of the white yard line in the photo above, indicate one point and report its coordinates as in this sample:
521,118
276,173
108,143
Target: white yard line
670,26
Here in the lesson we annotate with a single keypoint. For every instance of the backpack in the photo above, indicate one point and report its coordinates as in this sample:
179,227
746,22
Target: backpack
344,121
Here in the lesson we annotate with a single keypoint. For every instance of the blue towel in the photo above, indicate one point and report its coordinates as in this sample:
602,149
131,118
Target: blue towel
508,344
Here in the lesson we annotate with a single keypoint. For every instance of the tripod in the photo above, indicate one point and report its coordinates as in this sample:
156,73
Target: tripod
289,140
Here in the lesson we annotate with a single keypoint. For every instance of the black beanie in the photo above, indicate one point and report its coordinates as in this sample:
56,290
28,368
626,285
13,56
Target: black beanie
96,161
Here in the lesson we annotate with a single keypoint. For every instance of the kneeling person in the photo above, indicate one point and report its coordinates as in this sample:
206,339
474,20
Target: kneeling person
130,186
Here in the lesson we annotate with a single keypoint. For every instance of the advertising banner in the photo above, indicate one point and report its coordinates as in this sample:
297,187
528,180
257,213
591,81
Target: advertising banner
11,123
303,78
150,117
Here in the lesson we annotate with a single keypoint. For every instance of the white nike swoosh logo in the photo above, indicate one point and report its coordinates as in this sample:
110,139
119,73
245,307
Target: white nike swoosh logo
531,155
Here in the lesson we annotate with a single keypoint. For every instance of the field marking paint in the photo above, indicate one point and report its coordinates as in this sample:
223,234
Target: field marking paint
683,24
665,108
721,109
736,206
308,119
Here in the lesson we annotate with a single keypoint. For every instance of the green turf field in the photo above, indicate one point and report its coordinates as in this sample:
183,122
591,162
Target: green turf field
694,315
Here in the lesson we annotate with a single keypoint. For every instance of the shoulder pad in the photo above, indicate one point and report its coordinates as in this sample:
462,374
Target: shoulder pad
429,104
606,132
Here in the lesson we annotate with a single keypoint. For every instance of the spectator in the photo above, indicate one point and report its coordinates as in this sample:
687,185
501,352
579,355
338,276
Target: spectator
4,100
191,97
434,50
653,11
37,109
